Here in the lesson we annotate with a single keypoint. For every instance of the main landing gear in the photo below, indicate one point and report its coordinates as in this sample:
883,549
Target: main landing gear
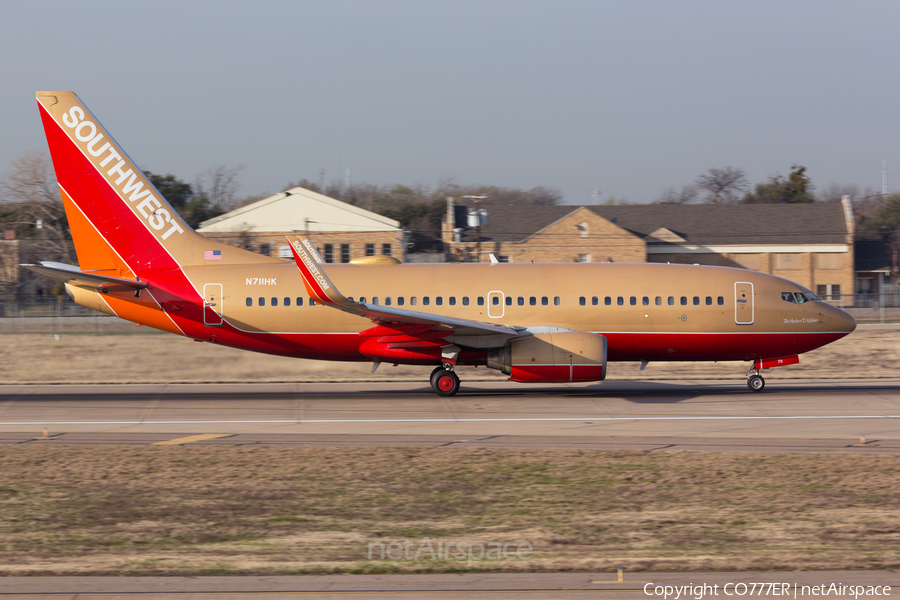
444,381
755,381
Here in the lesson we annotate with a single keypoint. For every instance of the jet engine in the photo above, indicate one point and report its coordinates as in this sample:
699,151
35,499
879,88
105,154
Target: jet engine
552,358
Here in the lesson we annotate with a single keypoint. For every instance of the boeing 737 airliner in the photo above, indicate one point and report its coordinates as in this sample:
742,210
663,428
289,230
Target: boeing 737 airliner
545,323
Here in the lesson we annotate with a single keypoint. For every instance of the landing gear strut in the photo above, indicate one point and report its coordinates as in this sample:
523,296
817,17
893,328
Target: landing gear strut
755,381
444,381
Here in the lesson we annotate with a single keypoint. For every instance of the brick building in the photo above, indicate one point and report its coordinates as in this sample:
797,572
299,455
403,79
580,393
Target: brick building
341,231
811,244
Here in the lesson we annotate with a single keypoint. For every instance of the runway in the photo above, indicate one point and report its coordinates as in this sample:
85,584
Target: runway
720,416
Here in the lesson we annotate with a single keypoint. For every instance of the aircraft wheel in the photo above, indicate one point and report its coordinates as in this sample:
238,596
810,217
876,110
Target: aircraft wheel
444,382
434,373
756,383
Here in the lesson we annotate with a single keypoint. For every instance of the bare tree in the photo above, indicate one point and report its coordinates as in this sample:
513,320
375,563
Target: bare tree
31,192
722,186
833,192
219,185
686,195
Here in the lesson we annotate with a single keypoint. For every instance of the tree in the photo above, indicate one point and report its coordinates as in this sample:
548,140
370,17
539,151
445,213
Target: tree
31,195
219,185
686,195
194,208
796,189
722,186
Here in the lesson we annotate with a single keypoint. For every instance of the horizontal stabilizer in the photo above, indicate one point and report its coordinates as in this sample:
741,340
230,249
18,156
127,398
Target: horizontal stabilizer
72,274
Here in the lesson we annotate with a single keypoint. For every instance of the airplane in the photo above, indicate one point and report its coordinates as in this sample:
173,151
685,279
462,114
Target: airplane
538,323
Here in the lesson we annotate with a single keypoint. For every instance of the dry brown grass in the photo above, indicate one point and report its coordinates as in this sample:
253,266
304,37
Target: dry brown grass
201,510
155,358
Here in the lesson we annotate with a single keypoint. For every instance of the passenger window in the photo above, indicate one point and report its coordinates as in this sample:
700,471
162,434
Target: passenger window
313,302
509,300
595,301
452,300
684,300
532,301
465,300
249,301
439,300
400,300
300,301
480,301
709,300
274,301
262,302
696,300
287,301
387,300
544,301
495,300
581,301
556,301
721,300
426,300
374,300
521,301
645,301
633,300
659,300
620,301
671,300
607,301
412,301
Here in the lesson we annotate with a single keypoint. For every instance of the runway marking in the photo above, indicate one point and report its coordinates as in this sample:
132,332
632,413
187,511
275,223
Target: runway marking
592,419
191,439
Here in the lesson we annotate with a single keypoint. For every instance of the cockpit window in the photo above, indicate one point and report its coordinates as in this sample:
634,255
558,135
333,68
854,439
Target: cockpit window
800,298
787,297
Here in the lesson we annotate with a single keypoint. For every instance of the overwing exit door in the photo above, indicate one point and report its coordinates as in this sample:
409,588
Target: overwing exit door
212,304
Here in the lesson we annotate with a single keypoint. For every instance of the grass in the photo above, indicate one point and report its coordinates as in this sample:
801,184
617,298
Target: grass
242,510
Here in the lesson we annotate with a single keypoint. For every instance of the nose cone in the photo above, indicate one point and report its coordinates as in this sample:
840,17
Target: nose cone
839,320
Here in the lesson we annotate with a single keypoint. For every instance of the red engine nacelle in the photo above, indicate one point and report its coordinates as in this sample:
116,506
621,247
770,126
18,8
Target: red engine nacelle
567,356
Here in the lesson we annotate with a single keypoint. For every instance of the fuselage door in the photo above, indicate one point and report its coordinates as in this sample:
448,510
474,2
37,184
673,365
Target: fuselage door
212,304
496,305
743,303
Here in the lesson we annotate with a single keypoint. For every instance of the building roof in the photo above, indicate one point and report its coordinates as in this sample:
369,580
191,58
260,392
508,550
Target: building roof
730,224
298,209
696,224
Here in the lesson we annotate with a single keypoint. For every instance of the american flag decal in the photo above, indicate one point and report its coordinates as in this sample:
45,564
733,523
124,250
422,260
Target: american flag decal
212,255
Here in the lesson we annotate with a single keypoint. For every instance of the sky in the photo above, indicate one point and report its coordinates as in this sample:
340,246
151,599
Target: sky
628,98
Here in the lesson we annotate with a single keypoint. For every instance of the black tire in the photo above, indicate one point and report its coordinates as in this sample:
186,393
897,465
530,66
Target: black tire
445,383
756,383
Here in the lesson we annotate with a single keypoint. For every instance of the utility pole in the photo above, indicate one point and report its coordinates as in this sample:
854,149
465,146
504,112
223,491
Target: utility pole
321,180
884,186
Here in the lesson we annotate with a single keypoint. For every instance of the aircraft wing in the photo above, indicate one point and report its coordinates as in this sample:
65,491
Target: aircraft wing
322,290
72,274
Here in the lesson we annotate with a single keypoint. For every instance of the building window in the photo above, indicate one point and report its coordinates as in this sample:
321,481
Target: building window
584,258
386,250
584,230
504,258
345,253
829,261
370,249
787,262
284,252
329,253
265,249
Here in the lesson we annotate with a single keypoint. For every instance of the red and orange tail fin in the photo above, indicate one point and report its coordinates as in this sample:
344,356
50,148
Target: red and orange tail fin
119,221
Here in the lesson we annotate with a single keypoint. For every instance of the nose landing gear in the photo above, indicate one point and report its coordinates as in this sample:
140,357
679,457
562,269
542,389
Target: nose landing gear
755,381
444,381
